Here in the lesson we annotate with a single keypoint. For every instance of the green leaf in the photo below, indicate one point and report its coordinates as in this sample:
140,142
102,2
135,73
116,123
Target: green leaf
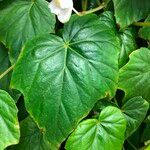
23,20
146,135
128,45
148,147
61,79
108,18
135,75
129,11
4,65
5,81
105,133
31,137
127,37
145,31
9,127
134,111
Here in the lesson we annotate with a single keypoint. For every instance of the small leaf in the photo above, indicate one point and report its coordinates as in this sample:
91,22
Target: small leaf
134,111
144,31
21,21
31,137
135,75
61,79
127,11
103,134
9,126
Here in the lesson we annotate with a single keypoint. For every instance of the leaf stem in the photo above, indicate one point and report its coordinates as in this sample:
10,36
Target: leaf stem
6,72
146,24
89,11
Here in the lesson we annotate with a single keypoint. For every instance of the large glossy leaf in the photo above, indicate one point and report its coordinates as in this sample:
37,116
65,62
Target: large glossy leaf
145,31
134,111
62,79
135,75
9,127
103,134
129,11
31,137
23,20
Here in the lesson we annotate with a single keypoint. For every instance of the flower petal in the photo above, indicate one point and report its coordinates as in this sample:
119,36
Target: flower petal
66,3
54,7
64,15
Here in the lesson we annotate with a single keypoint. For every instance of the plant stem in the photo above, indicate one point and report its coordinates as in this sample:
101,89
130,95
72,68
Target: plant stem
89,11
7,71
84,5
146,24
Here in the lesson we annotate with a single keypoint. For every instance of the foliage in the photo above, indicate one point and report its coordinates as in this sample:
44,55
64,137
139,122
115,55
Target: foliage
82,85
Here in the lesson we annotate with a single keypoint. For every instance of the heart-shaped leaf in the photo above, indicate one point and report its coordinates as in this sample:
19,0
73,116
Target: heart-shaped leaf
135,75
9,126
59,77
103,134
22,20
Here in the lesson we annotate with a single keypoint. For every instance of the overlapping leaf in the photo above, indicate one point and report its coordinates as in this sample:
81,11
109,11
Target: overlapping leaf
31,137
135,75
23,20
128,45
9,127
145,31
62,79
127,37
105,133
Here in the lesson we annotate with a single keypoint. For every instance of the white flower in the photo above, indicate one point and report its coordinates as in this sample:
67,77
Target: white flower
62,8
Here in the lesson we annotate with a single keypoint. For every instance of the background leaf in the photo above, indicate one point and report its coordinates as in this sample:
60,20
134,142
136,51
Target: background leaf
144,31
134,111
105,133
31,137
4,65
127,37
9,126
129,11
128,45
